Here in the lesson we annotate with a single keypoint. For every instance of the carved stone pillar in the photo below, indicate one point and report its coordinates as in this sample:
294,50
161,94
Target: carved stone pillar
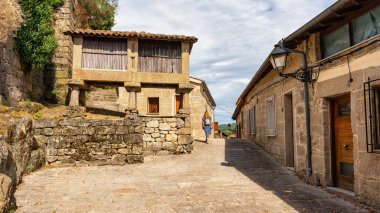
132,99
74,97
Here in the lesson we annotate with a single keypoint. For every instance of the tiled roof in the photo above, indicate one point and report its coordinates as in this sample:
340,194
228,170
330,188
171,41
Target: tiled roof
130,34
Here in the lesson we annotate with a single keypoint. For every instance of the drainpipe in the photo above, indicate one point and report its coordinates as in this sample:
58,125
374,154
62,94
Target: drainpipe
307,112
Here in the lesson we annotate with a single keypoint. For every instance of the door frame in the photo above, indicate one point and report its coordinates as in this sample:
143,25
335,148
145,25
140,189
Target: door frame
289,131
333,154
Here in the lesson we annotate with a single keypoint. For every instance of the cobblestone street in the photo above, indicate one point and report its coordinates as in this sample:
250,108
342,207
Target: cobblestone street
235,176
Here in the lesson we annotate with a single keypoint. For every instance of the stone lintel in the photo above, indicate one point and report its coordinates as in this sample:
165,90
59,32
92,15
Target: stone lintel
132,85
185,88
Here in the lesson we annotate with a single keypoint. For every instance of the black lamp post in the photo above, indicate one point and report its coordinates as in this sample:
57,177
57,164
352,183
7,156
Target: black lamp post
278,59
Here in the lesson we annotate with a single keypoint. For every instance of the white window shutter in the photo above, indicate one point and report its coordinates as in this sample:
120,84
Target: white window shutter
271,116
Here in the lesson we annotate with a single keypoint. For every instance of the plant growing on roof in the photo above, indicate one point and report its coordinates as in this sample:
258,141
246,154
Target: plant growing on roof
100,13
35,41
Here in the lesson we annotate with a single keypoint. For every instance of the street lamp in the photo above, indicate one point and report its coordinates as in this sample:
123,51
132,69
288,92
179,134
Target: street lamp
278,59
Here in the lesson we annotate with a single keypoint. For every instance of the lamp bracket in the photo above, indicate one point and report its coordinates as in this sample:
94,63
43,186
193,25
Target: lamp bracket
300,75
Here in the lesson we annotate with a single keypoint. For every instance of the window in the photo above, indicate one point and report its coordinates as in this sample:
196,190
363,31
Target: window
360,29
178,103
336,41
251,123
153,106
366,26
270,104
372,115
160,56
104,54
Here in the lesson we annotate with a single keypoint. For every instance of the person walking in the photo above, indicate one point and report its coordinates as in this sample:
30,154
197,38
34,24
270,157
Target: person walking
207,125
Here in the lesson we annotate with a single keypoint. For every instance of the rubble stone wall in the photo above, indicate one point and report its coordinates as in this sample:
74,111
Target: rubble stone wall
91,142
167,135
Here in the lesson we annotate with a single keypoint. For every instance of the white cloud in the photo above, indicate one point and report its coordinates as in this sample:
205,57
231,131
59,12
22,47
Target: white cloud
234,36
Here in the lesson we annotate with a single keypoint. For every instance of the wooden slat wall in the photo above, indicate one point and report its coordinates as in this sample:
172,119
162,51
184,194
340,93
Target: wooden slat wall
160,57
104,54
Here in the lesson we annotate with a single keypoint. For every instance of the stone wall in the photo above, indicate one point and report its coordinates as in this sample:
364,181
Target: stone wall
198,103
20,154
91,142
170,135
16,84
59,69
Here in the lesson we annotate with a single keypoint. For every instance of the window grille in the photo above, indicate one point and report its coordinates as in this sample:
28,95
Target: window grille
271,116
371,110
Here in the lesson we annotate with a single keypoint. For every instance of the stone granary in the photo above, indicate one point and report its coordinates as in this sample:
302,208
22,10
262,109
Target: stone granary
342,45
141,73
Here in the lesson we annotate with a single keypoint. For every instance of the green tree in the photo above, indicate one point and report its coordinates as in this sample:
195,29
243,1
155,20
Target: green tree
35,41
101,13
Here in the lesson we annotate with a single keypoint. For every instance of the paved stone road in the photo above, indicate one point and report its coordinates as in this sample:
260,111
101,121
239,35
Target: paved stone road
235,176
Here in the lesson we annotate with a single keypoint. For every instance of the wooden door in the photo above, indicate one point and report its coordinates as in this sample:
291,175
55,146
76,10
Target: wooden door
178,103
344,162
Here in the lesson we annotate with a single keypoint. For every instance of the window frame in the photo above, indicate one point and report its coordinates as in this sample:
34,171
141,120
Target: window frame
372,115
158,106
347,21
271,132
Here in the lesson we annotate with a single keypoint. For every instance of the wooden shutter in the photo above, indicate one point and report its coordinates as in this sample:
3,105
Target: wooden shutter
153,105
271,116
248,116
178,103
253,120
107,54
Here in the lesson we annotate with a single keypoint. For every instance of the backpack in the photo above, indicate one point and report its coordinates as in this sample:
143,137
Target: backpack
207,121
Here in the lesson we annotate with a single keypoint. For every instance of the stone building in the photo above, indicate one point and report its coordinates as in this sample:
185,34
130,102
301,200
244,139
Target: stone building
201,101
342,45
141,73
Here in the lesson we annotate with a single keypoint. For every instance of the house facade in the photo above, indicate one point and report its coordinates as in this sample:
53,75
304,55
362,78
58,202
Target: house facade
342,45
201,101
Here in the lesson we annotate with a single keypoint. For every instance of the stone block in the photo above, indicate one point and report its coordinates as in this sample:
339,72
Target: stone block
5,192
156,146
47,131
153,124
104,130
45,123
184,139
184,131
122,130
180,123
137,149
139,129
155,135
169,146
124,151
118,159
164,127
149,130
170,120
171,137
69,122
147,137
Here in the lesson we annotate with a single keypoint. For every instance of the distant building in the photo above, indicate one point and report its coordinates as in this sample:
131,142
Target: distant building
343,50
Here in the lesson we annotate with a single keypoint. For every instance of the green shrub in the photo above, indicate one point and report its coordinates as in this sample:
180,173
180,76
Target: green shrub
35,41
100,13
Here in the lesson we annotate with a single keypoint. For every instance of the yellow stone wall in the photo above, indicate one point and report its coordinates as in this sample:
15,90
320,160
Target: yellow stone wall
198,103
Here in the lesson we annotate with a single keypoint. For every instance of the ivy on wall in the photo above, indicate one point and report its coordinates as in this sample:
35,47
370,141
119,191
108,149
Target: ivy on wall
35,41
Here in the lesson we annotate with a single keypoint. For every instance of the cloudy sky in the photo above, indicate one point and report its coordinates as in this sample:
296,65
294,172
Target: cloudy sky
235,36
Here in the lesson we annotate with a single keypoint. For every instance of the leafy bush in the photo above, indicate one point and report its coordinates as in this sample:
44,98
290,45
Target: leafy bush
35,41
100,13
10,18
